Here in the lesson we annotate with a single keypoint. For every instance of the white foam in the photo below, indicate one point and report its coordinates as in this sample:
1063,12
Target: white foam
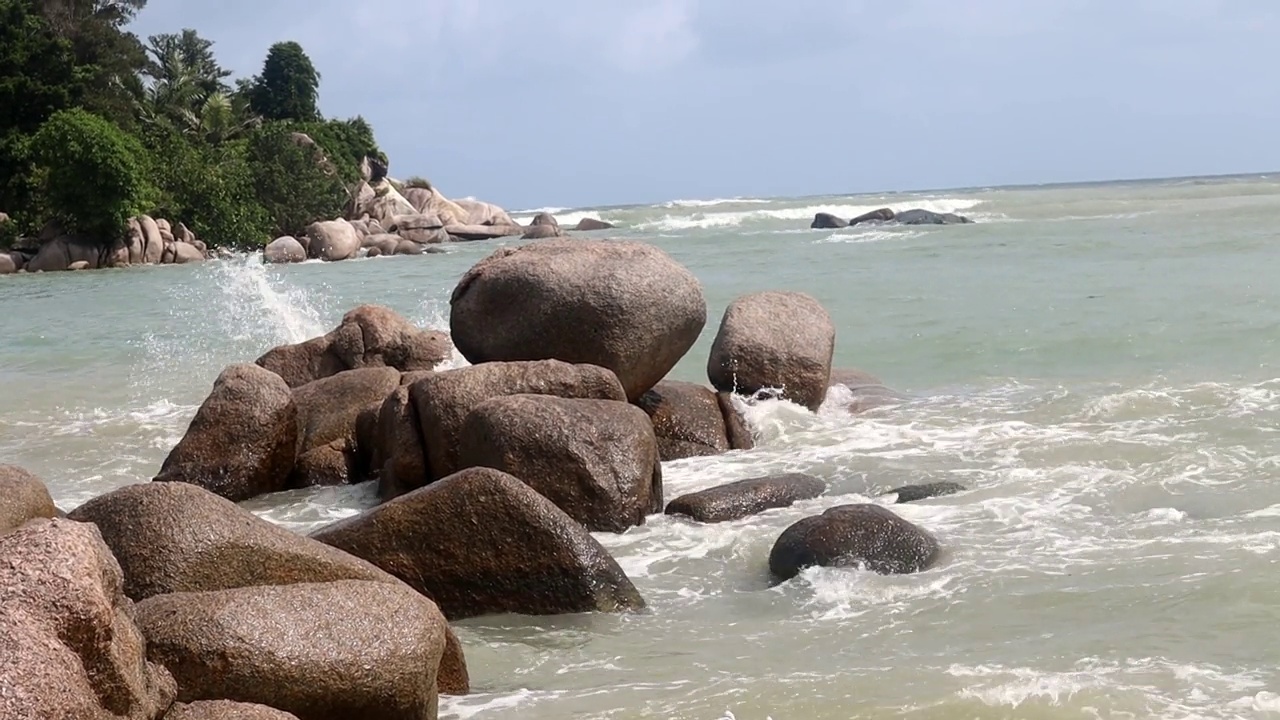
716,201
699,220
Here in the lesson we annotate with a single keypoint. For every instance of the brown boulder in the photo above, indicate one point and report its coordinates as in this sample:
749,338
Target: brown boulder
284,249
329,409
544,219
774,341
79,265
64,251
483,213
466,233
735,423
225,710
23,497
333,240
443,400
152,241
482,542
243,440
8,265
384,243
398,455
184,253
174,537
343,650
913,493
368,336
69,646
326,466
827,221
881,215
453,678
420,229
597,460
541,232
537,301
590,224
687,420
868,536
744,498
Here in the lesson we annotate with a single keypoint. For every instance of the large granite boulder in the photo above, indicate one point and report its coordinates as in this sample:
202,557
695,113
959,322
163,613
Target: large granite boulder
443,400
882,215
284,249
419,229
866,536
329,410
368,336
398,455
744,498
343,650
243,440
174,537
624,306
483,213
9,263
597,460
467,233
541,232
69,646
482,542
687,419
333,240
62,252
774,341
184,253
23,497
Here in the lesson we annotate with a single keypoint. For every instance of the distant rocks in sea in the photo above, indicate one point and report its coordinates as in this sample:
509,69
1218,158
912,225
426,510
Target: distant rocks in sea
916,216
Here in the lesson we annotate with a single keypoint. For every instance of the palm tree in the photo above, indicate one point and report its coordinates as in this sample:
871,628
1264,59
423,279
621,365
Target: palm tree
183,84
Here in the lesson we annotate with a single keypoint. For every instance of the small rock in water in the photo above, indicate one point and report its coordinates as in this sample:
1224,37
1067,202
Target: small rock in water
912,493
864,535
746,497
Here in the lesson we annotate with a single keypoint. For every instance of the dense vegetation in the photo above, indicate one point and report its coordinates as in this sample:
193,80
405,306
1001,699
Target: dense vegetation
97,125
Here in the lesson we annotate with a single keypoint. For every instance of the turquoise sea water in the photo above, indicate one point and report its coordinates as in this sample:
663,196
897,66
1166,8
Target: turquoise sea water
1097,362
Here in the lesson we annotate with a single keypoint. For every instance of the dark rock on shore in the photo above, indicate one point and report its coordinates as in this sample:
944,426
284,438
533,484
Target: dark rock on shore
345,650
368,336
774,341
827,221
624,306
597,460
912,493
243,440
398,454
744,498
23,497
69,645
482,542
867,536
687,420
443,400
174,537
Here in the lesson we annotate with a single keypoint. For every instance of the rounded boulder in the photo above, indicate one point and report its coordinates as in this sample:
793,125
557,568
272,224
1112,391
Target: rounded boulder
744,498
624,306
284,249
23,497
774,341
867,536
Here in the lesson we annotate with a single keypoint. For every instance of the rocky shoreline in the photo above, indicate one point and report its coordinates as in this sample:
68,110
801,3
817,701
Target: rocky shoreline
166,599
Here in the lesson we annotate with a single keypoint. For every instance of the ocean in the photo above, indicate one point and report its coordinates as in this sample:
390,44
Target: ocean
1095,362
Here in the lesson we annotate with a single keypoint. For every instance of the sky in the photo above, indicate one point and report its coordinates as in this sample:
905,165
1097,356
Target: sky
571,103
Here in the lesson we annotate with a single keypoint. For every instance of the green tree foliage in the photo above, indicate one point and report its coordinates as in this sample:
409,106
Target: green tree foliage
92,173
95,127
289,86
292,181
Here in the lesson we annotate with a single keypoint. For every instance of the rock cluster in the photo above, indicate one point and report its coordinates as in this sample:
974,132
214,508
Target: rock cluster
915,216
147,241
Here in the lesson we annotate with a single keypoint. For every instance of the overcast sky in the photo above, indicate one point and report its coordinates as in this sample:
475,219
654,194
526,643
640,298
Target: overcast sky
530,103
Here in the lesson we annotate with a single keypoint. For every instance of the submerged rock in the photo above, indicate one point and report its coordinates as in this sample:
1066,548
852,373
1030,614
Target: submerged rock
912,493
624,306
744,498
928,217
69,646
592,224
482,542
867,536
774,341
597,460
345,650
827,221
876,216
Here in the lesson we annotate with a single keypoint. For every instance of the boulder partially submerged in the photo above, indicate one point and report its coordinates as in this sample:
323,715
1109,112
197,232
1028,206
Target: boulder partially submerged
482,542
865,536
744,498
